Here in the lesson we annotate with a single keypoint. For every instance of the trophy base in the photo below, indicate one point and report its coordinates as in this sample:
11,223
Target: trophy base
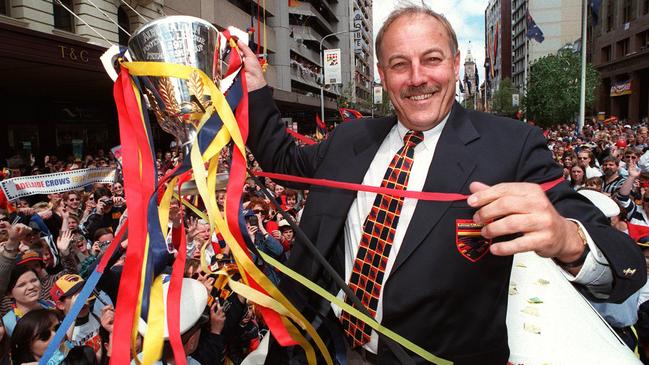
190,188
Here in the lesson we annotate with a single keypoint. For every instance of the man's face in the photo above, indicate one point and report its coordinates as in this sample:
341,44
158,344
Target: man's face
418,70
609,168
73,201
583,159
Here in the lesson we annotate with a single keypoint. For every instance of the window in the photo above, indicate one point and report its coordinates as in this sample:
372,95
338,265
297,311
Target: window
627,11
606,54
610,15
623,48
4,7
642,40
62,18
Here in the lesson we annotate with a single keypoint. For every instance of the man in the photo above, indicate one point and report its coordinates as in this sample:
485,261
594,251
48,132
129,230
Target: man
106,214
446,293
612,179
585,159
86,327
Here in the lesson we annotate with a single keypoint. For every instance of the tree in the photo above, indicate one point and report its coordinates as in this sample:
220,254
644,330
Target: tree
502,99
553,88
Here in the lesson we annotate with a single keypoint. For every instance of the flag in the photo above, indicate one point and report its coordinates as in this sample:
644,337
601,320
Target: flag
321,128
637,231
349,114
294,3
533,30
493,60
595,6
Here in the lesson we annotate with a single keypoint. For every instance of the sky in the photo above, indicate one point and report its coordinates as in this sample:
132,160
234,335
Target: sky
466,17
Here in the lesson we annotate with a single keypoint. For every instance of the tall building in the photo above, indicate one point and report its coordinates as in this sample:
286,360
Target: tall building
558,20
498,44
470,81
61,97
620,52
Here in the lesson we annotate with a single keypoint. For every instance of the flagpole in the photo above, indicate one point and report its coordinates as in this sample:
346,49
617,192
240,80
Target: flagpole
582,96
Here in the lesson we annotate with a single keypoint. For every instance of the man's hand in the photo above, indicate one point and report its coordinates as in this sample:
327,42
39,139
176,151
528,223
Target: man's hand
511,208
63,242
108,318
15,233
254,75
217,318
175,216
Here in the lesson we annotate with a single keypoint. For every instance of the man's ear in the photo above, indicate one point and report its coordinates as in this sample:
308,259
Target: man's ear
60,305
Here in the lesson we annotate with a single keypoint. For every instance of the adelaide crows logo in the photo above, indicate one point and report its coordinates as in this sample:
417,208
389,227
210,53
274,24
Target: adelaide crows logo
469,241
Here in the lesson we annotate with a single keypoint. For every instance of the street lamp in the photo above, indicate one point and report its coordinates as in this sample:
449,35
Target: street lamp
322,79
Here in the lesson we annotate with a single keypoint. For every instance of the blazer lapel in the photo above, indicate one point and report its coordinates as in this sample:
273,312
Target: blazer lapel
365,142
451,167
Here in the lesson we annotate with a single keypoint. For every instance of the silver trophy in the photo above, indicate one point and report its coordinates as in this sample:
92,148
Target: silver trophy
179,104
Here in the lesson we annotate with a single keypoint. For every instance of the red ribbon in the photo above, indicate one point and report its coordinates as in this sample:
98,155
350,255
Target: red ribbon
138,186
300,137
420,195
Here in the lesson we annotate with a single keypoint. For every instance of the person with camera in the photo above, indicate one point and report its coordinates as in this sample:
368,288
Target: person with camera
264,242
106,214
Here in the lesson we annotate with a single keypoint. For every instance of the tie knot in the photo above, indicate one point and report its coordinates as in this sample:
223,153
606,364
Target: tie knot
413,138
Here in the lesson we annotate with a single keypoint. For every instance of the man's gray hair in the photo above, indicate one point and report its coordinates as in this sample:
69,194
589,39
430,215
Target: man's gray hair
410,10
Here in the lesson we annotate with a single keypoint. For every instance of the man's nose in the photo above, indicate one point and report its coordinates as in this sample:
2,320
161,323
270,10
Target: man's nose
417,76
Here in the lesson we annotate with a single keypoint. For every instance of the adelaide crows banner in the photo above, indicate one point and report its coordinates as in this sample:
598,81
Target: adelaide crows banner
58,182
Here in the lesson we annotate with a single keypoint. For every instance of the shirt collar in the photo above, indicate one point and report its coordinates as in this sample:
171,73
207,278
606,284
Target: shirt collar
430,136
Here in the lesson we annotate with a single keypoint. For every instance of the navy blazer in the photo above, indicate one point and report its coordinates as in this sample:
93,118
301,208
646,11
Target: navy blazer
440,299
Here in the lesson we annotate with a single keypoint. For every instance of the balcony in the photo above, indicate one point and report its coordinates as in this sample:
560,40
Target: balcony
306,9
304,51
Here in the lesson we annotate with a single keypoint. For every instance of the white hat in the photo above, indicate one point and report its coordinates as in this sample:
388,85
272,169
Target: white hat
193,300
283,223
607,205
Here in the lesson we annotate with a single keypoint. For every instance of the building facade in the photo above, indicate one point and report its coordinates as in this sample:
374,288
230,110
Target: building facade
52,56
558,20
498,45
620,52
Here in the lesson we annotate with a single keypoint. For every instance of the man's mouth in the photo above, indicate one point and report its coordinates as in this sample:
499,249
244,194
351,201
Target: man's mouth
420,97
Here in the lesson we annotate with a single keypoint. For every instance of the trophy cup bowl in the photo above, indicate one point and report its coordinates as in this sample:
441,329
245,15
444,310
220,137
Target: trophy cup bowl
179,104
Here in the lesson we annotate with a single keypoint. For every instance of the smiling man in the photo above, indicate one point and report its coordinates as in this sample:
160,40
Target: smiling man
435,272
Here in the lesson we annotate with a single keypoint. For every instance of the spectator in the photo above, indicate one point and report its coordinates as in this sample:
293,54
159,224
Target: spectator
612,179
586,160
85,331
32,336
577,177
24,291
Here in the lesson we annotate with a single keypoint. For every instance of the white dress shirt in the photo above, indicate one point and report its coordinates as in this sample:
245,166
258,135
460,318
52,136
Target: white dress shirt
592,273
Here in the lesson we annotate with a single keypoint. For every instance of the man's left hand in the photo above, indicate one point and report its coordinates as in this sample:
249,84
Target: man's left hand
511,208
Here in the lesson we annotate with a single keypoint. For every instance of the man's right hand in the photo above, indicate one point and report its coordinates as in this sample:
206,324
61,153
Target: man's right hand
254,74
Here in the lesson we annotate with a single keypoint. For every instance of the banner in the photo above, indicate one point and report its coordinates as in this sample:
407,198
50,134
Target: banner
621,88
58,182
378,95
332,71
358,37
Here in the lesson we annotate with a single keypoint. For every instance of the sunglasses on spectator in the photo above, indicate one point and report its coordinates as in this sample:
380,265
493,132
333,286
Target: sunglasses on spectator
73,199
583,158
46,333
631,157
257,211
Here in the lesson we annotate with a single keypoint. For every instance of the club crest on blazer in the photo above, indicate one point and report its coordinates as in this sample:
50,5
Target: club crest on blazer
469,241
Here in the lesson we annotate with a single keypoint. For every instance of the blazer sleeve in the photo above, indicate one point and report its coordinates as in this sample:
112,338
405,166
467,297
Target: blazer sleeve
272,146
624,256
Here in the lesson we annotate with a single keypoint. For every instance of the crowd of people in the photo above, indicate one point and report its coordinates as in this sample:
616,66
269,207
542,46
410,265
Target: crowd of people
52,243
